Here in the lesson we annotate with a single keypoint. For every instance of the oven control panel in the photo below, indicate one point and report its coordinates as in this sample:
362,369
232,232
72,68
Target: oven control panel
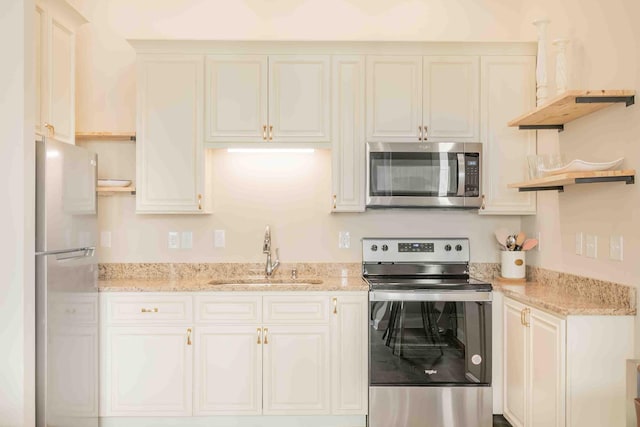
415,250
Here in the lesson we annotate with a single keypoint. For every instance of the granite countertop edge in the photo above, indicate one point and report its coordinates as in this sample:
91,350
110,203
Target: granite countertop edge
329,284
559,302
549,298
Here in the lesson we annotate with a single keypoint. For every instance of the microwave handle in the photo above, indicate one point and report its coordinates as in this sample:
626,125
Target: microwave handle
461,174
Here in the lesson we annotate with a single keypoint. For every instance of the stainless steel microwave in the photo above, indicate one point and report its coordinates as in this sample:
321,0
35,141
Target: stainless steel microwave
424,175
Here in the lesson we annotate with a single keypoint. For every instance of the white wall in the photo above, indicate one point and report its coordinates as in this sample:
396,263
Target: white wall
17,330
293,199
604,54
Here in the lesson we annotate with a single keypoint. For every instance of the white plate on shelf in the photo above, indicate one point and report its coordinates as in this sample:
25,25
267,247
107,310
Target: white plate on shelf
114,183
582,166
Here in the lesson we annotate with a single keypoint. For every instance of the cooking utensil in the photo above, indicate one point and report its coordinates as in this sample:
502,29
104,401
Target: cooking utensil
501,236
511,242
529,244
520,238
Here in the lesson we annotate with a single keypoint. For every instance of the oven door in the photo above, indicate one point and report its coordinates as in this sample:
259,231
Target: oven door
426,338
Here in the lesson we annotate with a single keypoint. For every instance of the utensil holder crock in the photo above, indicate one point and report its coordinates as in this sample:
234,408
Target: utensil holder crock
513,265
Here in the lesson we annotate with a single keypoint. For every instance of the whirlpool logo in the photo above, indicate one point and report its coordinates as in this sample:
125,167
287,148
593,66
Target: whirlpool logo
430,371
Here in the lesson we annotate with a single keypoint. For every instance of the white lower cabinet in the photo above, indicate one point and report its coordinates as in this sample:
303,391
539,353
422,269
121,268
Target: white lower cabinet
296,370
228,370
148,371
294,355
551,367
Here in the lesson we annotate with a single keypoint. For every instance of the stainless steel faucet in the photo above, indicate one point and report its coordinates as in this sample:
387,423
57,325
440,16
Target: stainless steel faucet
270,267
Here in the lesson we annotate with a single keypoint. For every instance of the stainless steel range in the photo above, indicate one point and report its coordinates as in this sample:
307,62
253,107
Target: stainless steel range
429,335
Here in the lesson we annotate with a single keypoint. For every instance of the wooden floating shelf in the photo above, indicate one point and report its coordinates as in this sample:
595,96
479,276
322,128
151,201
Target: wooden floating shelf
111,136
557,182
571,105
111,190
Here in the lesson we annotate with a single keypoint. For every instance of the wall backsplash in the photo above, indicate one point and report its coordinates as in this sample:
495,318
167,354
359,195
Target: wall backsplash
291,193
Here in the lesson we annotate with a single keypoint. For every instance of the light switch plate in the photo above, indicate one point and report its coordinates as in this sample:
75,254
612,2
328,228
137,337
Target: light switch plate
579,243
344,240
174,240
219,239
187,240
591,246
105,239
616,244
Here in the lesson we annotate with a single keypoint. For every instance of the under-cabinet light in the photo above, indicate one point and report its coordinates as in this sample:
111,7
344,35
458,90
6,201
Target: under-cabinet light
271,150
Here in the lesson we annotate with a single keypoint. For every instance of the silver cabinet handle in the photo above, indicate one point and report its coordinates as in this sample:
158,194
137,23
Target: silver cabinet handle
424,137
419,133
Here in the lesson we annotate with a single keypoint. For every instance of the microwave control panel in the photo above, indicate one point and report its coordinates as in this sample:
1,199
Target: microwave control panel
472,174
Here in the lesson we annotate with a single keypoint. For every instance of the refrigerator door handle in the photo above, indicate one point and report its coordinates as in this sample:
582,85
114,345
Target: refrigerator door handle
67,254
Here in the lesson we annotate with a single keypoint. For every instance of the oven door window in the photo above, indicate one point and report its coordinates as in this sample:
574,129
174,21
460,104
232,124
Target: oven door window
413,174
413,343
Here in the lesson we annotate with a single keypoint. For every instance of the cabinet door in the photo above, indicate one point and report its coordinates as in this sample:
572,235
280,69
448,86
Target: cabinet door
299,98
296,370
508,89
72,388
169,149
515,363
148,371
61,90
349,381
228,370
394,98
546,371
236,98
451,103
348,148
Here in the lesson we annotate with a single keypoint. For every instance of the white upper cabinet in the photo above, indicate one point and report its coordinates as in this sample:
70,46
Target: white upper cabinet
236,98
56,23
508,89
260,98
299,100
348,145
451,102
171,163
394,98
430,98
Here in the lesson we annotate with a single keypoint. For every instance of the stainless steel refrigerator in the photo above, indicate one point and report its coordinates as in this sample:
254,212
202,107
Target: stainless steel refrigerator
66,286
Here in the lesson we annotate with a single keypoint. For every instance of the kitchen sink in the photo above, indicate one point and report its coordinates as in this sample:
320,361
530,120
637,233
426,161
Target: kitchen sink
261,281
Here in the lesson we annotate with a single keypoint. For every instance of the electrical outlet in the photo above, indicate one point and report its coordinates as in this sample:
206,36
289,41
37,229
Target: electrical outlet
579,243
219,239
591,246
344,240
187,240
105,239
615,248
174,240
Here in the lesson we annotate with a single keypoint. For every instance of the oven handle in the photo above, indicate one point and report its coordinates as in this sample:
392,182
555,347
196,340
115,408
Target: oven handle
461,175
429,296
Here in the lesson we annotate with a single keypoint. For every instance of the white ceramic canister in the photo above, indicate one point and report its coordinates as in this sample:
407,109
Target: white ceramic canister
513,264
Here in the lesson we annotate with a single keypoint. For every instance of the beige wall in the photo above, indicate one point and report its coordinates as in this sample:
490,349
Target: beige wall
17,157
603,54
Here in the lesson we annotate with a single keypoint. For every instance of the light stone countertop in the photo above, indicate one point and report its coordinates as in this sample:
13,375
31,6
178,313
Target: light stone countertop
560,293
559,301
329,284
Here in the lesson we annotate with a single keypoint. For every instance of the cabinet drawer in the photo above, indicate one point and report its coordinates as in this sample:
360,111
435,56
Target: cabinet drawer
73,309
149,309
228,309
300,309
